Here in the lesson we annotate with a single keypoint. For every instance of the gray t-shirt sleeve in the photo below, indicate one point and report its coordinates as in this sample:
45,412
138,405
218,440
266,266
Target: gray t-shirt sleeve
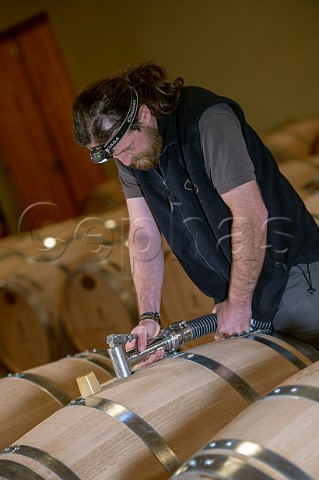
130,186
227,160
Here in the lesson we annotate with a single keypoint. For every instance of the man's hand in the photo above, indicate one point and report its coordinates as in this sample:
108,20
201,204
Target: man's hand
145,331
231,319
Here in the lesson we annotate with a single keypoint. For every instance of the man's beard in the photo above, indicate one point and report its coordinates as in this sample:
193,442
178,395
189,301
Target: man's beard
150,157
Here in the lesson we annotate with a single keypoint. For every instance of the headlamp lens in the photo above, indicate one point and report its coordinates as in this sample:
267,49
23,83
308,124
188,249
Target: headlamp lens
100,154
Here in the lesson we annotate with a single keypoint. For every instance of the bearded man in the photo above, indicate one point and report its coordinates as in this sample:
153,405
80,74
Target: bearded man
195,171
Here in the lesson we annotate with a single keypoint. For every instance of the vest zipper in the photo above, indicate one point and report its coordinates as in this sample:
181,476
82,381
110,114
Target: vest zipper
168,191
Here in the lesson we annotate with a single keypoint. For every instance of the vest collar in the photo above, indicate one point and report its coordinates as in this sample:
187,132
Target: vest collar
167,130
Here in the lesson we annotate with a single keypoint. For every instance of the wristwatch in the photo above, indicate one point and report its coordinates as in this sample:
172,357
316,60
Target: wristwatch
151,316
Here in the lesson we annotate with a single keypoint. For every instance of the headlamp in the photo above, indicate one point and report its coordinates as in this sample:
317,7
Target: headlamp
103,153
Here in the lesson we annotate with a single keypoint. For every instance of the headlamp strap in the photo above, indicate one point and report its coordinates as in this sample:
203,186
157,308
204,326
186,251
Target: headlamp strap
127,122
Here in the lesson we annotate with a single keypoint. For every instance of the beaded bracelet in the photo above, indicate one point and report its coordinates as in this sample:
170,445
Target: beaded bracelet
151,316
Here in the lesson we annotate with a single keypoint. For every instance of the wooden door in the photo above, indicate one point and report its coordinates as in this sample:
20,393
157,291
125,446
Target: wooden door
45,166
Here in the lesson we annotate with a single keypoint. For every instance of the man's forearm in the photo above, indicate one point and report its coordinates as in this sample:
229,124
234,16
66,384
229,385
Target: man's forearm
248,241
248,254
147,266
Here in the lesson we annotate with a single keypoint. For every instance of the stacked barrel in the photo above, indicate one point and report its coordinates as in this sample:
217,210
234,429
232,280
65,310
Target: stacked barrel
295,146
150,424
31,396
40,320
275,438
65,286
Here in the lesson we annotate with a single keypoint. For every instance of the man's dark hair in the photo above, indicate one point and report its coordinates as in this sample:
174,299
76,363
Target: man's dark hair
110,98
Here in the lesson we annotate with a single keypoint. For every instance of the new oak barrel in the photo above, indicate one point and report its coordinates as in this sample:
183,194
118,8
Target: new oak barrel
303,174
27,398
275,438
31,331
32,285
99,298
181,299
107,196
145,426
94,230
294,139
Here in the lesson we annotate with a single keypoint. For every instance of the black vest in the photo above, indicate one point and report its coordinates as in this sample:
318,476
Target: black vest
196,222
